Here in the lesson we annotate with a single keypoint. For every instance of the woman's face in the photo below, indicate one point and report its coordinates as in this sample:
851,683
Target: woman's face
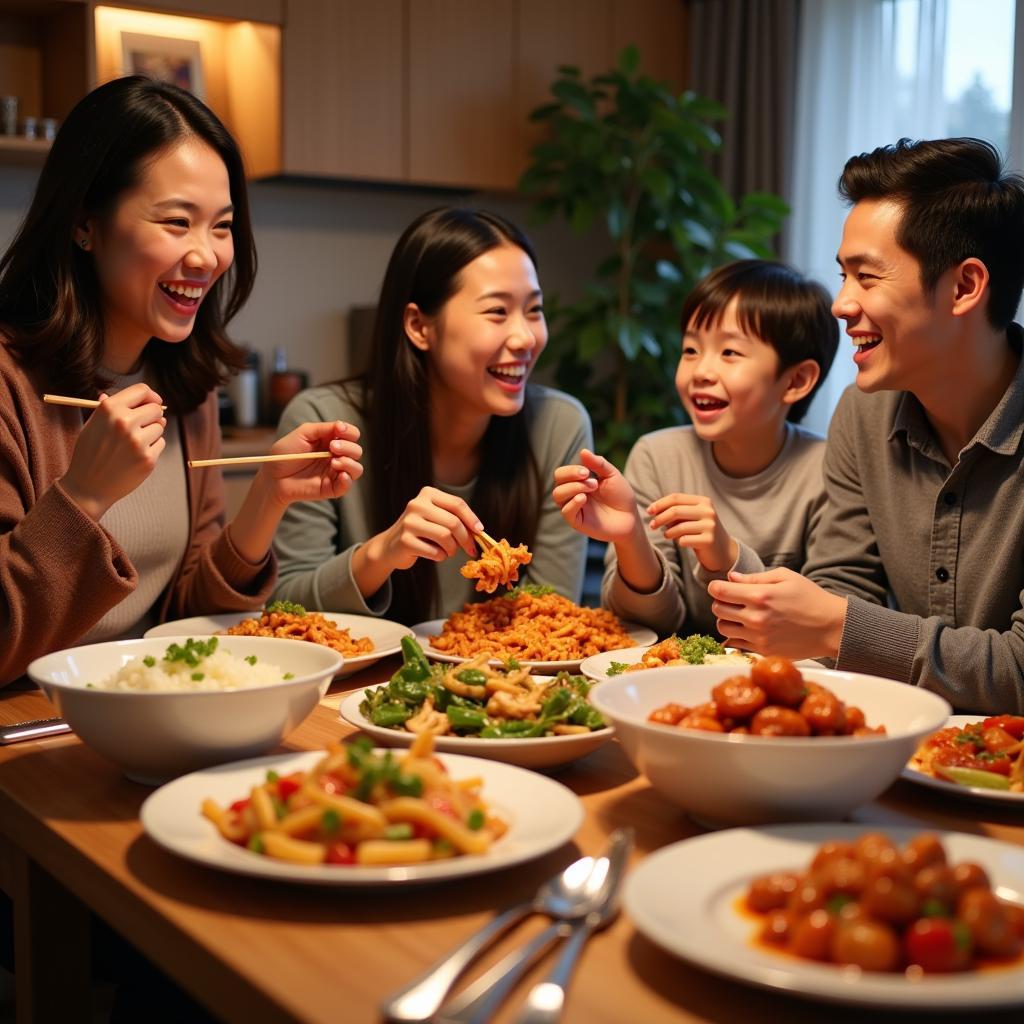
483,344
159,252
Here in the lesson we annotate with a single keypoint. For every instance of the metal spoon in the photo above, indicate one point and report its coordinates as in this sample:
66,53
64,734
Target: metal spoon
598,891
559,897
546,1000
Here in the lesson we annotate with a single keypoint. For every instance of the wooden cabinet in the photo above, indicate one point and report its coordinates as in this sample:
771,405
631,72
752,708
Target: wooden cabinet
344,96
52,52
463,125
438,92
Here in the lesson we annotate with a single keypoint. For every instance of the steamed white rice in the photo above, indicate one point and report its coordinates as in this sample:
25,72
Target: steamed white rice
219,671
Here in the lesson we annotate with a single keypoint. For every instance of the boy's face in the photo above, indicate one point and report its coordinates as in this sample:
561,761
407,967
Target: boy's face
728,380
898,330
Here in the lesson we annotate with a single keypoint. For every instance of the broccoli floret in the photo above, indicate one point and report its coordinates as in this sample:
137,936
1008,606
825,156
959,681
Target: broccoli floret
285,608
694,648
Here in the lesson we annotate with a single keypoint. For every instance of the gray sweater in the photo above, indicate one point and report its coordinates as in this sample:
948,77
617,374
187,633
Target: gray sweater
316,540
931,556
772,516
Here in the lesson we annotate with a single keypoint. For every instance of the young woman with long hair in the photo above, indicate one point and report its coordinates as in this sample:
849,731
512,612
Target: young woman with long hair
135,253
457,440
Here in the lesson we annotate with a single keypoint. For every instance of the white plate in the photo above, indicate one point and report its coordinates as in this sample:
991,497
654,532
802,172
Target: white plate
597,665
425,630
538,752
542,815
385,635
683,898
998,796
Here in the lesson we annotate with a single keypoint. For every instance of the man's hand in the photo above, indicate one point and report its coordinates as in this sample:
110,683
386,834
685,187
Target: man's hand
778,612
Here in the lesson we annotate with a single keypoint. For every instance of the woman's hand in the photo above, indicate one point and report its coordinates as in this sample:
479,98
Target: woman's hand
434,525
117,449
278,484
596,499
318,478
692,522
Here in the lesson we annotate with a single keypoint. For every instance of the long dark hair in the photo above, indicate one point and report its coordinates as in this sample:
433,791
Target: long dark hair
424,269
50,303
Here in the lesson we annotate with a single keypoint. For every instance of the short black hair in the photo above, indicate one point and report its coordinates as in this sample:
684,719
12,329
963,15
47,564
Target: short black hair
956,202
777,304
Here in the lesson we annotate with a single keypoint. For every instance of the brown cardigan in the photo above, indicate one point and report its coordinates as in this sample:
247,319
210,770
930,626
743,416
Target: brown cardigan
61,572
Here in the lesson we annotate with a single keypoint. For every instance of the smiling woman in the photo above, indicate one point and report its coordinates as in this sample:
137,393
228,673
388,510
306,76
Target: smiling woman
456,436
135,253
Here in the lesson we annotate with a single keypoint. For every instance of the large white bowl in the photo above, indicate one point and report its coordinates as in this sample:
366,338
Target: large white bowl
155,736
747,780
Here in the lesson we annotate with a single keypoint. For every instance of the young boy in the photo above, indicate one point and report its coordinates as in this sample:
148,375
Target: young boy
741,489
917,571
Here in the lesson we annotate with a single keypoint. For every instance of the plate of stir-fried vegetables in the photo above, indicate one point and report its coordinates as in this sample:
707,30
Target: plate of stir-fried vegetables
974,756
505,713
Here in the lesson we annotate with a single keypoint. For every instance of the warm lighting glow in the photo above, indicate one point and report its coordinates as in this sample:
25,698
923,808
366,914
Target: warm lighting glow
241,76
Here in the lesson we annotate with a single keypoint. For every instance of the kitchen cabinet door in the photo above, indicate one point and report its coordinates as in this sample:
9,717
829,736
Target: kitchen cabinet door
344,82
464,128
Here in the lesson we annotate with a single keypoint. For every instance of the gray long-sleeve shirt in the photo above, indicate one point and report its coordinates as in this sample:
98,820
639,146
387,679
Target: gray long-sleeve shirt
931,556
772,516
316,539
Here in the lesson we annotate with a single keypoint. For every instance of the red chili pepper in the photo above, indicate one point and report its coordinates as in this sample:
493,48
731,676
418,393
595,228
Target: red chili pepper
287,786
937,944
239,805
340,853
1013,724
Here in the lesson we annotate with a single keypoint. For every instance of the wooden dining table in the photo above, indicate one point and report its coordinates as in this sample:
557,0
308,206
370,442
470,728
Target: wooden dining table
254,950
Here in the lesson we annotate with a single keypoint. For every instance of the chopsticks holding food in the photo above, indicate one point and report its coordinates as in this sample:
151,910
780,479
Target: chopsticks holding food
241,460
75,403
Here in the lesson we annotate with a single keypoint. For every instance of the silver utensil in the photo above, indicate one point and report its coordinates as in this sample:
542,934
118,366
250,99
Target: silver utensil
37,730
546,1000
480,1001
559,897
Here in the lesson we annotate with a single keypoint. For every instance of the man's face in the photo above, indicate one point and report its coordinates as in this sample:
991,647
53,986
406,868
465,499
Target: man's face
900,333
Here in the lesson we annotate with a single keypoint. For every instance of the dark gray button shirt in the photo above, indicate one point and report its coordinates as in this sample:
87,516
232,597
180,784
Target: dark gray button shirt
931,556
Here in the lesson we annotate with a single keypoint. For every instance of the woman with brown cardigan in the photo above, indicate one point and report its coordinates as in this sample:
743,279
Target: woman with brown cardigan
117,287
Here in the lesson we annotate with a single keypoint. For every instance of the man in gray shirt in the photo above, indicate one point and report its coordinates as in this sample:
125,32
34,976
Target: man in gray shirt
917,571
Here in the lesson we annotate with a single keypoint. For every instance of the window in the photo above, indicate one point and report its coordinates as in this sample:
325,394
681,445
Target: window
872,71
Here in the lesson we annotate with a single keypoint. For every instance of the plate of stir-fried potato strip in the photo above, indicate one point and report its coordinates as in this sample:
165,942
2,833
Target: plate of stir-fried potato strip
505,713
532,625
356,816
362,639
973,756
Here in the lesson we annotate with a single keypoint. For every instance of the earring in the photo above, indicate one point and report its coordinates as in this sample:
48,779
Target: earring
84,243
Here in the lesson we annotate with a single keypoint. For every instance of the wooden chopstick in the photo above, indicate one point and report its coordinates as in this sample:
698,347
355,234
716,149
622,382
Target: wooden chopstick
75,403
243,459
485,540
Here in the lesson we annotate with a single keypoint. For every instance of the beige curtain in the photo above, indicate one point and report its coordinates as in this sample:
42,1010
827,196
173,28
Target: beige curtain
743,54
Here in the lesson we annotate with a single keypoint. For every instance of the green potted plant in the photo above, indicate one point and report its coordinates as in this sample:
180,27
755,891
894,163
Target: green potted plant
621,149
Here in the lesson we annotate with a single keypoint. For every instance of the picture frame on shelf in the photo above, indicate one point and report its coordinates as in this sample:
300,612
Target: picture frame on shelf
165,58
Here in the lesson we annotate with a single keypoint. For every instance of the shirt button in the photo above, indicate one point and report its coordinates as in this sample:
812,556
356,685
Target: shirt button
942,574
949,498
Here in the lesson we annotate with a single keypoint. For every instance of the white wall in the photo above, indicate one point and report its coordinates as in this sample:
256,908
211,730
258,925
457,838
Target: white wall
323,249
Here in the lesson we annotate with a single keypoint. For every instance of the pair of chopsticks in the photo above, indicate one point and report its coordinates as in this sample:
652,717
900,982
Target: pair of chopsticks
89,403
485,540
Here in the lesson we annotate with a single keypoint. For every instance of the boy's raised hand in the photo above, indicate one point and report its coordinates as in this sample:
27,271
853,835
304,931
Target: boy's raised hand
595,498
692,522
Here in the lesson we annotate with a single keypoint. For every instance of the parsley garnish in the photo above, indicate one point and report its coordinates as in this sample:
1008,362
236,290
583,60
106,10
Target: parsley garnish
285,608
192,652
616,668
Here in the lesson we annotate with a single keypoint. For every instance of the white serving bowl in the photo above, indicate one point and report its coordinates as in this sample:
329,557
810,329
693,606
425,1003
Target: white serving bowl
155,736
748,780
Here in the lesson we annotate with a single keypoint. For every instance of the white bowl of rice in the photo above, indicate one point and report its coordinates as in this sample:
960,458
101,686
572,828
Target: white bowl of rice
163,707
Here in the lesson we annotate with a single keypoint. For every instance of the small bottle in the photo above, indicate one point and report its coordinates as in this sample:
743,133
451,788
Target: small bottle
284,384
244,389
